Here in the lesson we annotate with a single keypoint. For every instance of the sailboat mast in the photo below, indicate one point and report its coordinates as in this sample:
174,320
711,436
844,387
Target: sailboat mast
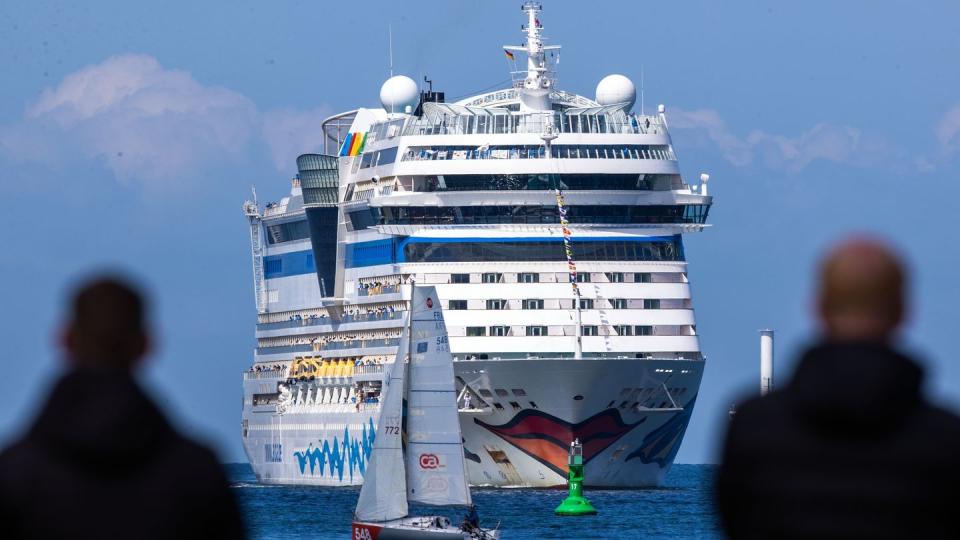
406,387
413,284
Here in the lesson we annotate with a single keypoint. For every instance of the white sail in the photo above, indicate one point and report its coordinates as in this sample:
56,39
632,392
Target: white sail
384,480
435,465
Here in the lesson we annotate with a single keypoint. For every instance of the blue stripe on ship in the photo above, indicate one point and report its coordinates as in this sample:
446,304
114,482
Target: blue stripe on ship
295,263
390,250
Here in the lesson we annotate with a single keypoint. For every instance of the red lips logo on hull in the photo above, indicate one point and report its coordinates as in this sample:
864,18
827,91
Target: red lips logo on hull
547,438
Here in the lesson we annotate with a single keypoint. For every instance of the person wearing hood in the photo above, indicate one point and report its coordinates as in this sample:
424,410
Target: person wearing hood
101,460
849,448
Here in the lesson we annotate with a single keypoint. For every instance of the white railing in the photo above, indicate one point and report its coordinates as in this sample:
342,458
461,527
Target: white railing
369,369
535,123
265,374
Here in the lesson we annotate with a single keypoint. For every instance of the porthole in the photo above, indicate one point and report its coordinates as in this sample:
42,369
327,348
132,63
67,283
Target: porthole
578,397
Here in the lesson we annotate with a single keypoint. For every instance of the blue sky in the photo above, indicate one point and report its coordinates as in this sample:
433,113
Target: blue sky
131,134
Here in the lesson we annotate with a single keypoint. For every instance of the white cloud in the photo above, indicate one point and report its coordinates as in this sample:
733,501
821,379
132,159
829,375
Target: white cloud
708,121
948,131
289,133
146,122
840,144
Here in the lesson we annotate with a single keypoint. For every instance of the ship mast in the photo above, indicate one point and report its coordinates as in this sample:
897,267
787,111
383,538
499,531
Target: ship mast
536,86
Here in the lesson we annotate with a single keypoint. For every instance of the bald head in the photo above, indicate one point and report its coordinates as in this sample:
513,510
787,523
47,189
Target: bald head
862,292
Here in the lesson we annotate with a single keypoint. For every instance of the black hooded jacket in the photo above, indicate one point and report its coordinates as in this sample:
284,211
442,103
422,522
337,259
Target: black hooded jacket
849,449
101,461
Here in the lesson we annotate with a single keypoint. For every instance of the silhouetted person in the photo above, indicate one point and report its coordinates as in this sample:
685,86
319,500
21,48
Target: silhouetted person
101,461
849,448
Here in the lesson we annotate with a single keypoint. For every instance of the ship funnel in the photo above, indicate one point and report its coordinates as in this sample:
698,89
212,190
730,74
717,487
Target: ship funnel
766,362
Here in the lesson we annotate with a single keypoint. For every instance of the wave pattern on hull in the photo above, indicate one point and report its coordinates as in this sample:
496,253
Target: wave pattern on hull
339,457
660,446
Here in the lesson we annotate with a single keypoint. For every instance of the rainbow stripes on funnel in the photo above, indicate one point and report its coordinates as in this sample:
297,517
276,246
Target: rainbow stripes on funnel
353,144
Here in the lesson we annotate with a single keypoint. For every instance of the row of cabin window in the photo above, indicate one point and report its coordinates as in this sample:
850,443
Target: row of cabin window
537,303
532,277
558,151
539,331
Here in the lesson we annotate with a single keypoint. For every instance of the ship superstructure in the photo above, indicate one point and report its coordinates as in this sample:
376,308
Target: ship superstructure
551,226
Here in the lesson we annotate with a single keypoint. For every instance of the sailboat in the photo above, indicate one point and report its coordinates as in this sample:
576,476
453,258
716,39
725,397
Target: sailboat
417,455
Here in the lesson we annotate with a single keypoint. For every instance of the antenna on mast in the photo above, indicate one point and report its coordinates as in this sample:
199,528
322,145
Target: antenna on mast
641,89
390,40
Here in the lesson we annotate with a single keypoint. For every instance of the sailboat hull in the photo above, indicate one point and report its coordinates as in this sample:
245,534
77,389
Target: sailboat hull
411,528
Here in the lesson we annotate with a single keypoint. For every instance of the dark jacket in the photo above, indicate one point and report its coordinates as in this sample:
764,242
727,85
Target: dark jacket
101,461
849,449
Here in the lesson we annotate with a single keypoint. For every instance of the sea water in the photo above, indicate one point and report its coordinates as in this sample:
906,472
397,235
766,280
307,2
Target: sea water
682,508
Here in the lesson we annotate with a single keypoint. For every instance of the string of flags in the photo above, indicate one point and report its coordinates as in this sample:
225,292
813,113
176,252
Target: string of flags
564,225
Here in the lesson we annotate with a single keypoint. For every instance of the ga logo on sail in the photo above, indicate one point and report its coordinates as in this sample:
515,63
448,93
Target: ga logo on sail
429,461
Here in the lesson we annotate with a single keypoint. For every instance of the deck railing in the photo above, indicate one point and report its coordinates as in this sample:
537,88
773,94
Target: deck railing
314,321
533,123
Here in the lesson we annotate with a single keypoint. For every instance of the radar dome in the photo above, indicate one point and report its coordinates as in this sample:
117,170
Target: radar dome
399,92
615,89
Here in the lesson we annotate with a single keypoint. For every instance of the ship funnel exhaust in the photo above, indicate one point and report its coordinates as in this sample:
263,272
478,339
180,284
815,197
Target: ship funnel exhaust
766,362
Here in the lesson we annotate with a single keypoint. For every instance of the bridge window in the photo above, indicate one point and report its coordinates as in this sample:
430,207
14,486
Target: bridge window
496,304
615,277
493,277
288,232
527,277
543,250
532,303
539,214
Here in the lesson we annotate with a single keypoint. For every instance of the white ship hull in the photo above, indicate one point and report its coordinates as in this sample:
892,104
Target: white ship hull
629,446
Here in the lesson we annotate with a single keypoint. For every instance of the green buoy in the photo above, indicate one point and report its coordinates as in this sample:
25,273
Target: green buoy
575,504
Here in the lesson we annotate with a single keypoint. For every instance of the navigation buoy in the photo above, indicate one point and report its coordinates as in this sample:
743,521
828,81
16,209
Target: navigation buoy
575,504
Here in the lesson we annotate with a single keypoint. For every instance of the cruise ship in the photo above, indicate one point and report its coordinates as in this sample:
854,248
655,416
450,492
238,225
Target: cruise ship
551,225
